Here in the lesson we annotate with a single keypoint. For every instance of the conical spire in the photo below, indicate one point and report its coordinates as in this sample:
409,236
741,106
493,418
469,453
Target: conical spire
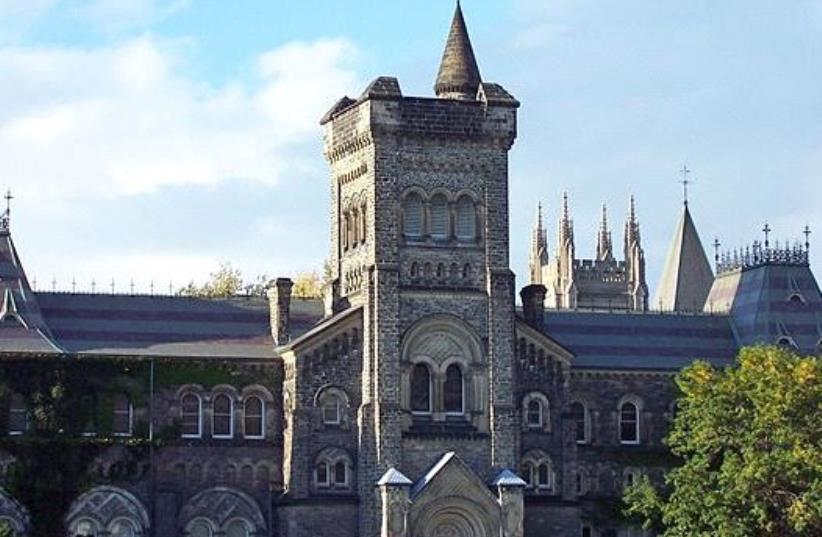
687,277
604,246
566,225
459,76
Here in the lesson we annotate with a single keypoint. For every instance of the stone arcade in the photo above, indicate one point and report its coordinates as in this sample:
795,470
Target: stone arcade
416,399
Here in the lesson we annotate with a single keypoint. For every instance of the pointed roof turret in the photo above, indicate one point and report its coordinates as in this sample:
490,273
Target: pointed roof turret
22,327
459,76
687,277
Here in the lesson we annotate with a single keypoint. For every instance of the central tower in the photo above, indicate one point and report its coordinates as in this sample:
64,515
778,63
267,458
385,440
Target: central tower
419,241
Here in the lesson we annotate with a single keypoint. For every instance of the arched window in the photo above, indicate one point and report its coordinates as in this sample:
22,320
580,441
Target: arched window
545,476
363,224
579,415
452,391
200,528
538,471
18,415
534,414
222,416
412,214
122,527
629,423
466,219
439,228
332,469
191,416
332,409
254,417
344,231
466,272
421,389
85,527
122,418
321,474
237,528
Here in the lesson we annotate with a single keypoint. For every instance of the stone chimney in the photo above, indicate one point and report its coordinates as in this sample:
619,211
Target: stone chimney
533,304
279,301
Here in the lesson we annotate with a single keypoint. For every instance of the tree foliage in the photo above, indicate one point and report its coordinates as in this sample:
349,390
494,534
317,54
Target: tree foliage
750,438
226,282
307,285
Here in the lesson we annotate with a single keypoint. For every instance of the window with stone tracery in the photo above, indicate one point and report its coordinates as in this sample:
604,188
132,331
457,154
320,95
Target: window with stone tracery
333,470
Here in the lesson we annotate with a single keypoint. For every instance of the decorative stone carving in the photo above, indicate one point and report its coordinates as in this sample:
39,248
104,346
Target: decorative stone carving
220,505
105,505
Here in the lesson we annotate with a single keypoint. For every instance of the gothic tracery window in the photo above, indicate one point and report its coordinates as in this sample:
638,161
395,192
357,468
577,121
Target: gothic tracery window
420,389
453,390
332,469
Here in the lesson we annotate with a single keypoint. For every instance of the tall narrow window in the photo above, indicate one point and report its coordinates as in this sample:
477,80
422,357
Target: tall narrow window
466,219
579,415
332,409
526,472
191,416
629,423
253,417
421,389
88,415
439,217
340,473
544,476
18,414
321,476
453,390
222,422
121,422
534,414
412,211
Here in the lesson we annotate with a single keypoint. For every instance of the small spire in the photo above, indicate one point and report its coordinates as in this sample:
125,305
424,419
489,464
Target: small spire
604,249
459,76
5,218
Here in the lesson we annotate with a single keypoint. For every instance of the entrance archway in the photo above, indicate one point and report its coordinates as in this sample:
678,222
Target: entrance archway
453,517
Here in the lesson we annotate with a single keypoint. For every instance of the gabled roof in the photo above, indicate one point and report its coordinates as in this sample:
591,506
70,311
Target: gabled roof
459,73
22,327
687,277
394,478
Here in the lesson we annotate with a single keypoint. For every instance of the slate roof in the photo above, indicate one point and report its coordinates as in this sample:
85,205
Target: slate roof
641,341
687,277
22,327
171,326
771,302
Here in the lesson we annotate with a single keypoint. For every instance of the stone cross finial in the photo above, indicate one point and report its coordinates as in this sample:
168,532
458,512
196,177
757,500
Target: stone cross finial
5,219
767,231
685,182
807,233
716,245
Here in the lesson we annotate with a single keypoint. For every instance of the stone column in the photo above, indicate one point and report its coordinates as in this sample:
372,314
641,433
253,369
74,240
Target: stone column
394,489
510,490
279,301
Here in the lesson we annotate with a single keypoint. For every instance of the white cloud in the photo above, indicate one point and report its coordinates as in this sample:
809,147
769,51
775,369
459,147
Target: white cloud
122,119
117,15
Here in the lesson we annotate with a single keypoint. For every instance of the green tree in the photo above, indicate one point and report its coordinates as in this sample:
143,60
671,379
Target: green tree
750,440
308,285
225,282
5,529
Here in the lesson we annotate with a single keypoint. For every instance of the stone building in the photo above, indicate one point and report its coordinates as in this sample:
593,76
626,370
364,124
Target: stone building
416,399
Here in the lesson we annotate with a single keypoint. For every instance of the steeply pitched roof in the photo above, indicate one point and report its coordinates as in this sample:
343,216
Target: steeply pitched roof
687,277
641,341
22,327
459,74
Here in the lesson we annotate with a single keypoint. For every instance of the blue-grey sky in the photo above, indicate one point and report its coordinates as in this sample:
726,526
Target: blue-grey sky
153,139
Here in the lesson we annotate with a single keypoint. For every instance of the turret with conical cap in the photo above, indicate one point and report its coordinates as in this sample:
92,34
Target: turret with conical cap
459,76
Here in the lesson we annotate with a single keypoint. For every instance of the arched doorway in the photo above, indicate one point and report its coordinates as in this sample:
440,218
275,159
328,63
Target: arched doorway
453,517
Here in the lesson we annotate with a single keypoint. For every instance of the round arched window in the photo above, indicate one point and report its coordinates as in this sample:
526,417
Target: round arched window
412,213
420,388
466,219
453,390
